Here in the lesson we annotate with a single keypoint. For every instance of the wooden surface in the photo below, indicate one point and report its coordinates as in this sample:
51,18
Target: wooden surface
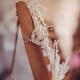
37,61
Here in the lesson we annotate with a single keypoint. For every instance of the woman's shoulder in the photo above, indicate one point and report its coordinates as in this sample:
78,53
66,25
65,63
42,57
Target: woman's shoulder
24,17
21,5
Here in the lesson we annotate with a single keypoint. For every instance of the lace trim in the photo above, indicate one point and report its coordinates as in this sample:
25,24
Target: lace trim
40,37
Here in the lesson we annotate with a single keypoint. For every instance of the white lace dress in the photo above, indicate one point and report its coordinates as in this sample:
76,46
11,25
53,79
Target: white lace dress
40,37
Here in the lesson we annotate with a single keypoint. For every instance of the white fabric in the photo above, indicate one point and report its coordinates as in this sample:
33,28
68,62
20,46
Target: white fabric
40,37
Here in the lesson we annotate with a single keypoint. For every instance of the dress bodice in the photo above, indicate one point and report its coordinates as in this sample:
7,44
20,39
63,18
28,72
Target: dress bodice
40,36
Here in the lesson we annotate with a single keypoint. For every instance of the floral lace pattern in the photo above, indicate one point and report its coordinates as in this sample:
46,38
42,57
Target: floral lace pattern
40,37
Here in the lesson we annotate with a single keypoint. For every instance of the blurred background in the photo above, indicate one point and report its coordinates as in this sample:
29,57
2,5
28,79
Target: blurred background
8,21
8,27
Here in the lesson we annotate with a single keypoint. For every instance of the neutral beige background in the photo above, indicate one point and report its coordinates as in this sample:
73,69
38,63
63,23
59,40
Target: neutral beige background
8,19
